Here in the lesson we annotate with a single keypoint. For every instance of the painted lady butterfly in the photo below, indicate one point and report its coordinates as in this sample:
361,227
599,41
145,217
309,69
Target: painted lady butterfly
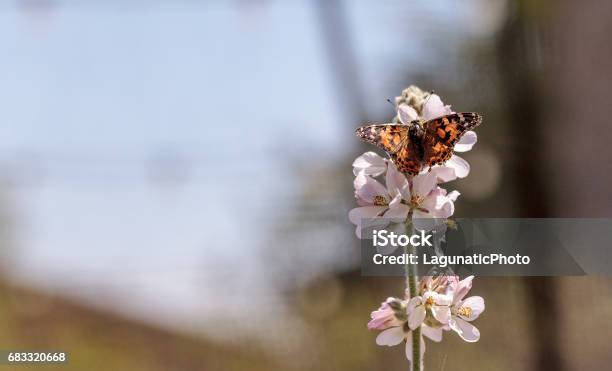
416,145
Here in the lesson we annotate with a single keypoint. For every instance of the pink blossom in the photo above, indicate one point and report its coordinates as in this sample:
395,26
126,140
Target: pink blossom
462,313
385,317
434,108
429,203
369,163
444,284
465,311
395,335
379,205
406,114
437,304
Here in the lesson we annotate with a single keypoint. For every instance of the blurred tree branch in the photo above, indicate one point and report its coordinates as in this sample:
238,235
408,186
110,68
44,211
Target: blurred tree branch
520,62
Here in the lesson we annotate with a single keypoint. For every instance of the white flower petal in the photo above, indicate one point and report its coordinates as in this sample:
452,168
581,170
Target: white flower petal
463,287
466,330
423,221
477,306
438,191
396,181
367,226
441,299
397,213
406,114
444,208
366,188
453,195
428,294
397,200
461,167
434,108
409,349
358,214
441,313
444,173
466,142
422,184
435,202
390,337
416,317
413,303
367,218
369,163
434,334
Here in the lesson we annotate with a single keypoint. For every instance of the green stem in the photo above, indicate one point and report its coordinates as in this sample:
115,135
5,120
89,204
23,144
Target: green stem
411,284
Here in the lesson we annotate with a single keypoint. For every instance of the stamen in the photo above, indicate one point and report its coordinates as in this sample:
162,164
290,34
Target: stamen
465,311
380,201
415,202
430,301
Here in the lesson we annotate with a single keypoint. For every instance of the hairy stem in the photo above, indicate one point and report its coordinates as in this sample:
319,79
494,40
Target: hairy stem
411,285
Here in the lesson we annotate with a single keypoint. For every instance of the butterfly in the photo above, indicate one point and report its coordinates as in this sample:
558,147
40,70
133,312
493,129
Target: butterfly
416,145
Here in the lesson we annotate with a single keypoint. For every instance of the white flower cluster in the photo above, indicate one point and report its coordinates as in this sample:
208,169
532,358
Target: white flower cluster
440,306
420,197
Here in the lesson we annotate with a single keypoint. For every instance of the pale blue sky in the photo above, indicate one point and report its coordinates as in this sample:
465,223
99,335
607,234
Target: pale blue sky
94,97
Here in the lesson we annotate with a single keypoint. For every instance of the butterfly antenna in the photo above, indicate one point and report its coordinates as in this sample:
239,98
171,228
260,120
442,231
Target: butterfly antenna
431,92
391,103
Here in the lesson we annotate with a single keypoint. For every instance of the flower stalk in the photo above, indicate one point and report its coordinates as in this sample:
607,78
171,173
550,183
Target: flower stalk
416,334
411,287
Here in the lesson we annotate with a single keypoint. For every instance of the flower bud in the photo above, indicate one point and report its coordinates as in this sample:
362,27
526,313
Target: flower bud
391,313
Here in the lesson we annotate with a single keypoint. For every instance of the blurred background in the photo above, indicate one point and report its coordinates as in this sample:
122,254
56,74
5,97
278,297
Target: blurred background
175,176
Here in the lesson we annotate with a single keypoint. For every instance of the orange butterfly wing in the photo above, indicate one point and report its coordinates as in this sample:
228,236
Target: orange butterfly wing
441,135
401,142
410,147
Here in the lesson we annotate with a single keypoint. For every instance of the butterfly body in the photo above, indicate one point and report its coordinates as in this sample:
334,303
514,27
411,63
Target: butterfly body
419,144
